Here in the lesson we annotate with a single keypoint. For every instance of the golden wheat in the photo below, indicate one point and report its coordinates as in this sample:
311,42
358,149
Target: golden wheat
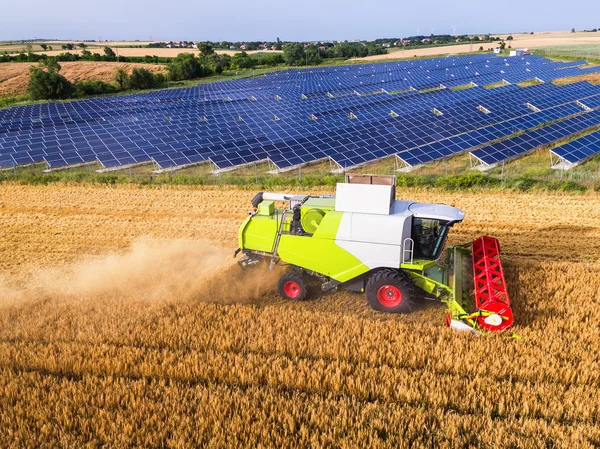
121,326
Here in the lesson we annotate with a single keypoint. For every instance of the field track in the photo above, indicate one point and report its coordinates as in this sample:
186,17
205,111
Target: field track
124,322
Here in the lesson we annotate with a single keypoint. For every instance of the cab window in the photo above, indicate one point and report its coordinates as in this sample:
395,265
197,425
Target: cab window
429,236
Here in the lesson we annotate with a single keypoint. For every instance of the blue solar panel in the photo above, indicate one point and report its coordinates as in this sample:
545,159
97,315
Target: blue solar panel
580,149
516,146
294,117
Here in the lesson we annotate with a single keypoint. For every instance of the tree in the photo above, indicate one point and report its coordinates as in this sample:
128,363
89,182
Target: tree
85,88
69,46
44,47
51,65
49,48
502,45
45,83
243,61
142,79
121,77
29,47
81,45
312,55
185,67
205,49
481,48
109,53
218,63
509,38
293,53
572,30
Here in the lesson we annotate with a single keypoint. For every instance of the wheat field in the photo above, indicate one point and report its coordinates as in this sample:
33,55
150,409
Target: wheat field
124,322
14,76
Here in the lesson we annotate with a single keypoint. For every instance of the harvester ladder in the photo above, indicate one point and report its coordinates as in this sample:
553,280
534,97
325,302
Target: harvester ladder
277,240
408,250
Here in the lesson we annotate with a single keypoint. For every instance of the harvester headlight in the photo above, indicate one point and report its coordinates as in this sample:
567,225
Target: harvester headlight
493,320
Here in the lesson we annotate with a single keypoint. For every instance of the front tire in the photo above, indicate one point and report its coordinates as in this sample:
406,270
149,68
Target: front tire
389,291
292,286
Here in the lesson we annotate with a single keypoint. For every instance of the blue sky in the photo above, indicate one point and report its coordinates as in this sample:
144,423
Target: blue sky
240,20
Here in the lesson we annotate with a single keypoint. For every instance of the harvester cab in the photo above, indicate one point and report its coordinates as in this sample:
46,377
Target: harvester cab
364,239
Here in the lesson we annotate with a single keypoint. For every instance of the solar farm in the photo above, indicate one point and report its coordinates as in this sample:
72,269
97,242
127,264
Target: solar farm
418,111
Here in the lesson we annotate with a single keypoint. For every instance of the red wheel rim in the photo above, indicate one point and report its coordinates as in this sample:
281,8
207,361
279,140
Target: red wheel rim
389,296
291,289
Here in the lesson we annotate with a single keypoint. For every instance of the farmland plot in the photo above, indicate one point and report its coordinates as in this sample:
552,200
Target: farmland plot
125,322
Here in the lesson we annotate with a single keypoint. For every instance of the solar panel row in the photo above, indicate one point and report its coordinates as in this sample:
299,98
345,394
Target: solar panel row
578,150
290,117
518,145
481,136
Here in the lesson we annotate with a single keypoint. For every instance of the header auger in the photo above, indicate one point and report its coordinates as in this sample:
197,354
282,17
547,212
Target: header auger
363,239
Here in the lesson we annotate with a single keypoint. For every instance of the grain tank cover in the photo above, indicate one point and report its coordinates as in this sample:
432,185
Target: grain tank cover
367,194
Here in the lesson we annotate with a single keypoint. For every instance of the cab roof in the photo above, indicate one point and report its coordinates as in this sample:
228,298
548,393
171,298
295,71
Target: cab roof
427,210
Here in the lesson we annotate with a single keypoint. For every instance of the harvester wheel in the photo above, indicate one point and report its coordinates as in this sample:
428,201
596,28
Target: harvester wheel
389,291
292,286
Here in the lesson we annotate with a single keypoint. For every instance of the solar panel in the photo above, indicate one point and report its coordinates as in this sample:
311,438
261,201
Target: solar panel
580,149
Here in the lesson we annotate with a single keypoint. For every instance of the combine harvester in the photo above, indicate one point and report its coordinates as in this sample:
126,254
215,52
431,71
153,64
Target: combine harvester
363,239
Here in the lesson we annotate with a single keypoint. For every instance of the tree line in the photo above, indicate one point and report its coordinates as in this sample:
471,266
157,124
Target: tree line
296,54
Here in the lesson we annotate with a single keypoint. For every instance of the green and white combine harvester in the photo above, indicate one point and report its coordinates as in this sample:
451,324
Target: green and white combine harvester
363,239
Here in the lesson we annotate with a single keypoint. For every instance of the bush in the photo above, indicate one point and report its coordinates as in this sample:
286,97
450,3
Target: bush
186,67
414,181
86,88
523,184
142,79
567,186
160,80
465,181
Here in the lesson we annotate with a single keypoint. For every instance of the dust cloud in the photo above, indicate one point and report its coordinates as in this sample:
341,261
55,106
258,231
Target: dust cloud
150,271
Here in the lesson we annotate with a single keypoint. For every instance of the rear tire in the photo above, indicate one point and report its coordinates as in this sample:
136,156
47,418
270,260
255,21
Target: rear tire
389,291
292,286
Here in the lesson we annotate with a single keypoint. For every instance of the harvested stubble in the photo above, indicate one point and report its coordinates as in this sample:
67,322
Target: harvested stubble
92,355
